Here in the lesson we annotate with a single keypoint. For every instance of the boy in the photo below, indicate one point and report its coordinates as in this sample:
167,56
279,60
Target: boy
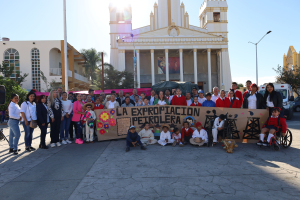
218,126
165,136
147,136
98,104
208,102
238,94
177,138
196,103
186,133
89,117
201,97
271,127
133,138
199,137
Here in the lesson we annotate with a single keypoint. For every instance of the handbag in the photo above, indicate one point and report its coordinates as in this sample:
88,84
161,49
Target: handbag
33,123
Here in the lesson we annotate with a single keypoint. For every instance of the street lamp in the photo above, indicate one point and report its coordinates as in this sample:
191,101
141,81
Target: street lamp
256,54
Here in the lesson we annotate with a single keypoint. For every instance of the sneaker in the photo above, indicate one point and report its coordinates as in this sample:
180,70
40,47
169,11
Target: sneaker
68,141
52,145
11,150
80,141
58,144
76,141
266,144
260,143
143,148
15,152
32,149
64,142
27,149
174,144
144,144
127,149
181,145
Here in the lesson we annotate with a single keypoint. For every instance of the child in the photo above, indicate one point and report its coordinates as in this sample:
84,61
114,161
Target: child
177,138
89,117
199,137
196,103
271,127
186,133
165,136
98,104
133,138
208,102
147,136
218,126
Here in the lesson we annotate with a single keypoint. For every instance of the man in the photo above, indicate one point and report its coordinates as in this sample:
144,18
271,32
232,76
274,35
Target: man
179,99
70,97
91,92
127,103
168,95
128,95
248,85
208,102
134,93
60,91
121,98
151,98
188,99
238,94
194,93
201,97
216,95
146,102
174,91
137,101
89,99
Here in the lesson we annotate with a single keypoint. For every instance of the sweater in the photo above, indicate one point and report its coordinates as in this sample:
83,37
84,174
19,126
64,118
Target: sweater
235,104
274,122
198,104
157,100
98,107
179,101
239,96
223,103
133,137
185,133
208,103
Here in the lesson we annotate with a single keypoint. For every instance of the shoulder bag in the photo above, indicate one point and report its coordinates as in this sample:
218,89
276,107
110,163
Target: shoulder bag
33,123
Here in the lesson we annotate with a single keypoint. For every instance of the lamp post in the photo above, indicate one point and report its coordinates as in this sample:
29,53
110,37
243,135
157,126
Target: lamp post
134,61
66,50
256,54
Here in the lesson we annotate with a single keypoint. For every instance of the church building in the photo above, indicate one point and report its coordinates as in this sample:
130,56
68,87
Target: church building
170,49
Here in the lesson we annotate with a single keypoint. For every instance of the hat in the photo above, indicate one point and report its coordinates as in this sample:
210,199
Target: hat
198,140
208,94
198,124
88,104
165,125
131,127
222,117
200,91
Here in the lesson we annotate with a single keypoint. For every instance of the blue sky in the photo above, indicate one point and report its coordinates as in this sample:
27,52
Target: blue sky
88,26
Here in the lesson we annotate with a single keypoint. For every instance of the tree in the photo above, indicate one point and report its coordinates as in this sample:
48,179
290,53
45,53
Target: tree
8,71
289,76
128,80
239,85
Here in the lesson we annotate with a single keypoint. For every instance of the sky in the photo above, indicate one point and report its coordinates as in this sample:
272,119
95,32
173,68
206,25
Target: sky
88,27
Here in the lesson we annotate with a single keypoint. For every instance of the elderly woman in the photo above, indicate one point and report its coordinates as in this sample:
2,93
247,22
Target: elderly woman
273,99
112,103
253,99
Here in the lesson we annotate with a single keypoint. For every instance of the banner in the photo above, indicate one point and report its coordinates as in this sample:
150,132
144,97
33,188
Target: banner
114,123
174,65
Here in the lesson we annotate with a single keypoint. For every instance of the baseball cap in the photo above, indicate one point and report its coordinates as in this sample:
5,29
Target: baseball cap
200,91
131,127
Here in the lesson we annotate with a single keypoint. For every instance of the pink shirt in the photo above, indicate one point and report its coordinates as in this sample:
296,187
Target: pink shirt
77,107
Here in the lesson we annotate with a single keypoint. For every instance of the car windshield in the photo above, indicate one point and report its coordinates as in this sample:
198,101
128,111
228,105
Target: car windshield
283,92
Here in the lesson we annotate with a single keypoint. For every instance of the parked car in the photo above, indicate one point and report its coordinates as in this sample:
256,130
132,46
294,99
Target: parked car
296,106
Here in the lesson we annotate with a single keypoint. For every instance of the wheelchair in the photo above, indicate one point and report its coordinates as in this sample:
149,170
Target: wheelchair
285,141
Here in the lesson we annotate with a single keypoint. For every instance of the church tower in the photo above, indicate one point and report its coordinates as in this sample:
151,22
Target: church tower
120,27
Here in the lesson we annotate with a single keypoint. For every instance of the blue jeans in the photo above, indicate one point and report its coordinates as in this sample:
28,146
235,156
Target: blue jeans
28,134
79,130
14,133
64,128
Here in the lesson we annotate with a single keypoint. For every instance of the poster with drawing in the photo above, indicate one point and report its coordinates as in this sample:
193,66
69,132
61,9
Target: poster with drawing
174,65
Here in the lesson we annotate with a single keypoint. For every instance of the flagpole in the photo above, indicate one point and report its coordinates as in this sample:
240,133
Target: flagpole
66,49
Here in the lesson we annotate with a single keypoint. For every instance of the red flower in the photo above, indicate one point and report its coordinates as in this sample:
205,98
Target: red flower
112,122
102,131
100,125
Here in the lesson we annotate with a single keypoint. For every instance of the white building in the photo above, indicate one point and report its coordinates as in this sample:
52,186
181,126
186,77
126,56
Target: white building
192,53
47,56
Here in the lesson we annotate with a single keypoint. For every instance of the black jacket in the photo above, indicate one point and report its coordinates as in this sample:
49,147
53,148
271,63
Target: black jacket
132,137
41,113
260,104
277,100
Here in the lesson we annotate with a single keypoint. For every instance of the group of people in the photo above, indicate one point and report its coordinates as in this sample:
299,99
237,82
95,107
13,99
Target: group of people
66,112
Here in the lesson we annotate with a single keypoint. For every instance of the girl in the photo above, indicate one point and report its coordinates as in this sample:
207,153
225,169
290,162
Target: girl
65,124
161,99
13,123
234,101
147,136
42,119
28,111
165,136
273,99
89,117
56,113
196,103
177,137
253,99
77,112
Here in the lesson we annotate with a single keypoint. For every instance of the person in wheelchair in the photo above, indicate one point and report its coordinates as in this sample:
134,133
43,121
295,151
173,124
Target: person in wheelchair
272,126
218,127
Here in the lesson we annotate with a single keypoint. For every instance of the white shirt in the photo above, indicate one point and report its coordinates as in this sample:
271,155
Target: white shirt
252,101
29,110
170,98
201,100
189,102
202,134
214,98
269,102
45,105
160,102
164,135
111,105
14,111
151,100
218,124
67,106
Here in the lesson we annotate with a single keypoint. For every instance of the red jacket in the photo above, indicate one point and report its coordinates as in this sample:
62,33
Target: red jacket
246,92
179,101
235,103
98,107
185,133
198,104
274,122
223,103
239,95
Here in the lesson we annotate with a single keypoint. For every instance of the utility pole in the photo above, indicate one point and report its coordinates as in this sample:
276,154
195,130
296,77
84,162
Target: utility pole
102,71
66,50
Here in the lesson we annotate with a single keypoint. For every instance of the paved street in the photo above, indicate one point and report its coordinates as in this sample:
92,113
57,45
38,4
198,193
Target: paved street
105,171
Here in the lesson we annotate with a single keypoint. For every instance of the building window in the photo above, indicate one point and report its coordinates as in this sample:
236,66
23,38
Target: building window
35,69
217,17
120,18
12,59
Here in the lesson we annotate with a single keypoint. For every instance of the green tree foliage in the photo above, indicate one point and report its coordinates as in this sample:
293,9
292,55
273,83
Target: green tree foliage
93,60
289,76
239,85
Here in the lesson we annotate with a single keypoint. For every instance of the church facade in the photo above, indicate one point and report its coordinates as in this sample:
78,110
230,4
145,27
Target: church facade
170,49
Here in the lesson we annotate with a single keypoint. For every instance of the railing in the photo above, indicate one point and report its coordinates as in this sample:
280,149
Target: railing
57,72
81,78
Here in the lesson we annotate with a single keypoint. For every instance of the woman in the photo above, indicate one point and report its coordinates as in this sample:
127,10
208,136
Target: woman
77,112
234,101
28,112
112,103
42,119
253,99
161,100
273,99
65,124
56,113
223,101
13,123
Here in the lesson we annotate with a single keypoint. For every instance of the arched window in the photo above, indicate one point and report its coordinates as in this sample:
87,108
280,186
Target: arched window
35,69
12,59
